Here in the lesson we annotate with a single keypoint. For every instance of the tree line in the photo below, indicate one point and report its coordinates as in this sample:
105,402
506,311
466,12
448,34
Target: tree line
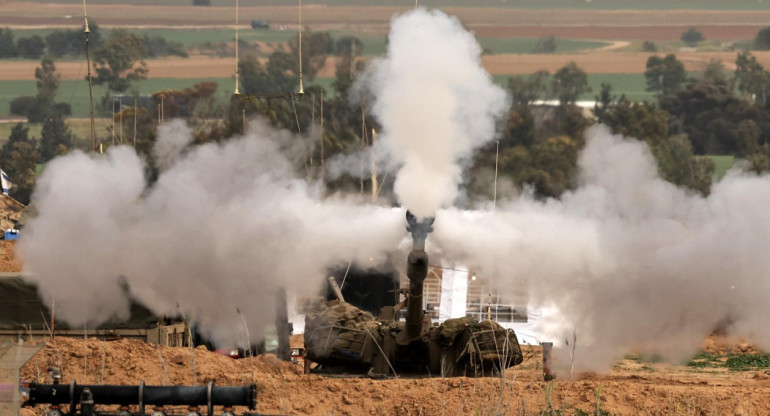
692,116
71,43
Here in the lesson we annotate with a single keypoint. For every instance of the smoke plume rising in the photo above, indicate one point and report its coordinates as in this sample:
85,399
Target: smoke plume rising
436,104
629,260
223,227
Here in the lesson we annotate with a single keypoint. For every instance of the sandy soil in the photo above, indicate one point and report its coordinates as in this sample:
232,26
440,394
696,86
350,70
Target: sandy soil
8,261
600,62
631,388
18,13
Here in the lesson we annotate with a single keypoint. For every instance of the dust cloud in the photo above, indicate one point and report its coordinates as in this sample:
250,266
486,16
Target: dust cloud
628,259
223,228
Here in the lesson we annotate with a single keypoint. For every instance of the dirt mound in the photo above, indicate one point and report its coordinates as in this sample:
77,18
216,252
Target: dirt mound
283,389
722,345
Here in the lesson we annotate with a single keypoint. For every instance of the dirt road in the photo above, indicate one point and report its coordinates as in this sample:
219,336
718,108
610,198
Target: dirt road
601,62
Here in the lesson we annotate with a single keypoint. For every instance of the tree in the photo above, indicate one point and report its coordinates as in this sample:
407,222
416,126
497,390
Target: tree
692,36
159,46
19,156
192,101
349,50
715,73
47,79
604,102
677,164
710,115
73,42
277,77
748,138
315,47
569,83
56,138
649,46
120,61
41,106
643,121
750,77
762,40
7,46
47,86
664,76
20,106
31,47
545,45
527,90
349,45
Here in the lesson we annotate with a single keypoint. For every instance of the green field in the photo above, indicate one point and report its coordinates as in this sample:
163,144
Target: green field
632,85
529,4
722,164
80,127
75,92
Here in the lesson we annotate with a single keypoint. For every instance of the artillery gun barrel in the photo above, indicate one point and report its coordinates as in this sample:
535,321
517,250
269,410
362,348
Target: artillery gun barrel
416,271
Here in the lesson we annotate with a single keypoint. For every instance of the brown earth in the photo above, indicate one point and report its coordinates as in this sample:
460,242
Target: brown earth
605,62
21,13
8,261
652,33
631,388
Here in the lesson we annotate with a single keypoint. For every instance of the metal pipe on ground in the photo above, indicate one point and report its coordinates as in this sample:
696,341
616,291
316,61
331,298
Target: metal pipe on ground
548,373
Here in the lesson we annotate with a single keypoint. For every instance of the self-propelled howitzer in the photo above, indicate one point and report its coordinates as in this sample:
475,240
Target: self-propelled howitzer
342,338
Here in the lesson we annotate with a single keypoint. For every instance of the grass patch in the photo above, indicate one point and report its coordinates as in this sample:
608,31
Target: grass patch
706,360
80,127
722,164
733,362
632,85
75,92
747,362
525,45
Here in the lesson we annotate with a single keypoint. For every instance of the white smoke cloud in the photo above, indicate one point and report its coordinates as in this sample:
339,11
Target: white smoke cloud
630,260
436,104
173,139
223,227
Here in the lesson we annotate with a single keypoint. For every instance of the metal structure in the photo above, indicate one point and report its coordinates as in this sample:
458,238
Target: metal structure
12,357
83,400
342,338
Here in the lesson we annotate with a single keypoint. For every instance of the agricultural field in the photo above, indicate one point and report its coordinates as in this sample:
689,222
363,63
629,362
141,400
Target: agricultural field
528,4
80,128
75,92
19,14
603,37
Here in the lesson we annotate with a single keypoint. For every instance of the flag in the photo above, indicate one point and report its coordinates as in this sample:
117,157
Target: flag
6,182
